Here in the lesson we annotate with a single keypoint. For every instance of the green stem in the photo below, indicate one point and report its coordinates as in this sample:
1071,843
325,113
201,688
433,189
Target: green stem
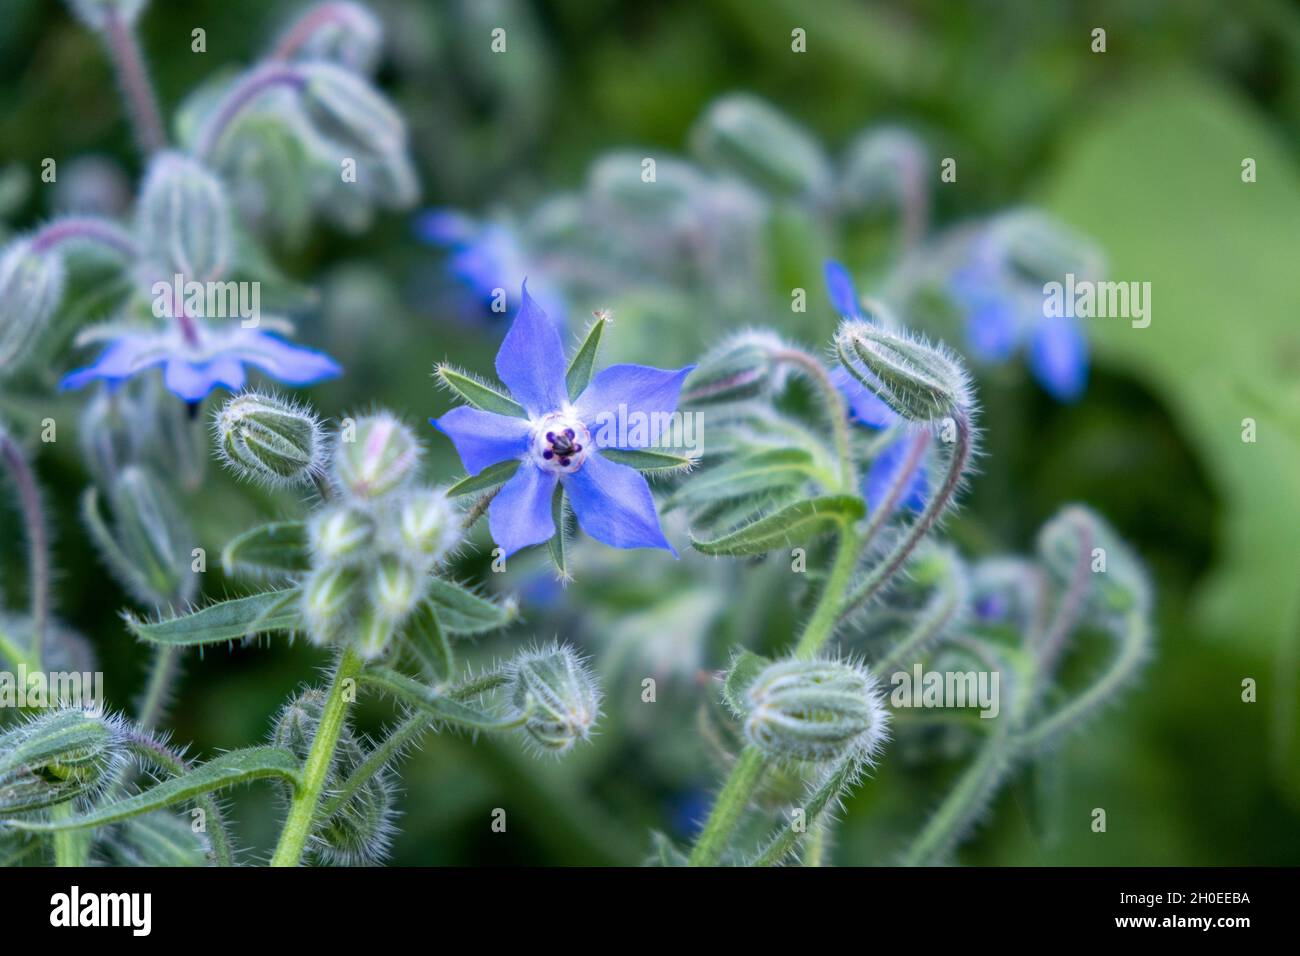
730,805
71,847
302,811
38,546
821,625
835,408
142,103
408,731
165,660
162,756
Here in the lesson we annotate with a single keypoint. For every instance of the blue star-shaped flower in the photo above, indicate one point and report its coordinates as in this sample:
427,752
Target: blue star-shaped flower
209,357
868,409
560,439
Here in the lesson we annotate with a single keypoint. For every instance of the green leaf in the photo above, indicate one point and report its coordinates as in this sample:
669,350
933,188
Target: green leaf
745,666
487,479
583,365
757,473
279,547
557,547
833,787
425,638
479,393
436,705
235,767
653,460
461,611
122,567
794,523
225,621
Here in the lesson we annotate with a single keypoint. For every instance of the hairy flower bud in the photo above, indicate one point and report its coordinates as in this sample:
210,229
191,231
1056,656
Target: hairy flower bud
378,458
31,287
881,167
428,523
740,368
554,688
814,711
330,597
269,439
919,381
744,135
341,534
184,221
346,110
395,587
96,14
57,756
153,535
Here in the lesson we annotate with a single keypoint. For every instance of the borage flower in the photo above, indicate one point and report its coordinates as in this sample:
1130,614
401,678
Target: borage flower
196,360
866,408
558,439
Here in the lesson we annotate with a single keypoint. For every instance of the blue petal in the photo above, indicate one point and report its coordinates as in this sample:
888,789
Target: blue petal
193,382
291,364
886,469
443,227
992,328
865,406
120,360
483,438
844,297
614,505
1058,358
620,391
531,360
520,514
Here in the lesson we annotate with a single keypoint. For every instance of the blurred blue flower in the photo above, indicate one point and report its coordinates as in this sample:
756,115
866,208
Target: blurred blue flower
487,258
867,409
1003,310
193,369
559,441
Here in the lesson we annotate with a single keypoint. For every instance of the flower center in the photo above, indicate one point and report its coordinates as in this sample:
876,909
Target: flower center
561,443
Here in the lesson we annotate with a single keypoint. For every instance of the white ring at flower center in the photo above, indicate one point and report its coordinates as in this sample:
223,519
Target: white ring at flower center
561,443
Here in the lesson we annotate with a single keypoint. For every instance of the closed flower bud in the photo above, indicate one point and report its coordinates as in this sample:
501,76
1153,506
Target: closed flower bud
153,536
108,438
379,457
31,287
337,31
744,135
428,523
1034,248
97,14
814,711
269,439
880,169
740,368
330,596
373,633
395,587
184,221
57,756
554,688
919,381
341,534
346,110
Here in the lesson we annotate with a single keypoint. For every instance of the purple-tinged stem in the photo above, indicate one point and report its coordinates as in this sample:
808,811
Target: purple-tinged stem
245,91
300,32
142,103
85,229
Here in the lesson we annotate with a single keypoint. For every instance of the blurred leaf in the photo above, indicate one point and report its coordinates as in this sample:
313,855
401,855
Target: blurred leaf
461,611
791,525
277,547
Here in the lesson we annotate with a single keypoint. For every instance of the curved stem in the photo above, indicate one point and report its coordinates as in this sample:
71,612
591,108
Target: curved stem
1070,605
835,407
884,572
406,733
161,675
142,104
171,761
302,810
102,232
315,18
38,547
821,625
237,100
937,616
902,479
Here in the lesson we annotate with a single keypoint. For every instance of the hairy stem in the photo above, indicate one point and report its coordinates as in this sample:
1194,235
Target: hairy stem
321,15
38,547
835,408
141,102
883,573
403,735
729,807
302,810
102,232
215,822
821,625
161,674
71,847
1070,605
902,478
237,100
